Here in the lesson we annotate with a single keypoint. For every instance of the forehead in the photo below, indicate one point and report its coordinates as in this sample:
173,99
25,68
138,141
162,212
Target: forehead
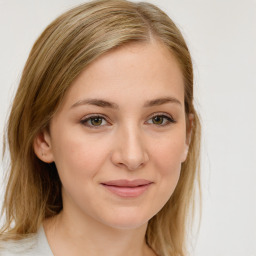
145,69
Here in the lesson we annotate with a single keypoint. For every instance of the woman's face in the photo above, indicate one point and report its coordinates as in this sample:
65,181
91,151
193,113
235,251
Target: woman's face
119,138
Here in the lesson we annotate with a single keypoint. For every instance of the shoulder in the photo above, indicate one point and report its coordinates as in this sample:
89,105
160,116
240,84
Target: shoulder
34,245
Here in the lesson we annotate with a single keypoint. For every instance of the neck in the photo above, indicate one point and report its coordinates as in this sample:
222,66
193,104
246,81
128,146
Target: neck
73,236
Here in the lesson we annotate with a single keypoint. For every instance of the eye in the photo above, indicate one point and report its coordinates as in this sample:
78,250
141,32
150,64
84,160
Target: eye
161,120
94,121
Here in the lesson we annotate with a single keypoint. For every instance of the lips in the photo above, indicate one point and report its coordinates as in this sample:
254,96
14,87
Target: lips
127,188
127,183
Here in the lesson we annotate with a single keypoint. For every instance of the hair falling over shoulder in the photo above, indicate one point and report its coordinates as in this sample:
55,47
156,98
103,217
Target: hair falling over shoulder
63,50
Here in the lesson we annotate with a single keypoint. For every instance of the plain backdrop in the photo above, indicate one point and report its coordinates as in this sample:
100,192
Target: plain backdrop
221,35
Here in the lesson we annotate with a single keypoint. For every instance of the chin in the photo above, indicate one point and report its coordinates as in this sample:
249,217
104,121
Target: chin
128,220
128,225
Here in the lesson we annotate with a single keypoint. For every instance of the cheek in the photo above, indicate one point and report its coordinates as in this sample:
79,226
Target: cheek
169,166
169,152
78,156
168,156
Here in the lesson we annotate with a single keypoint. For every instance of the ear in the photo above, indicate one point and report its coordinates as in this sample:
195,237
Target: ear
190,120
43,147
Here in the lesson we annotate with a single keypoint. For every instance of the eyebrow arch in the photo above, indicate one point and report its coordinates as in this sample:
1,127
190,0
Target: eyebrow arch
161,101
96,102
106,104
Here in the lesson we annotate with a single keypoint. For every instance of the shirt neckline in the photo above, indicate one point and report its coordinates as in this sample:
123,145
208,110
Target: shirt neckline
43,244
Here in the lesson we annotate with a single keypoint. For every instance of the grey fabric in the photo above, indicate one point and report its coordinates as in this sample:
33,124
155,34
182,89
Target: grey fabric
37,245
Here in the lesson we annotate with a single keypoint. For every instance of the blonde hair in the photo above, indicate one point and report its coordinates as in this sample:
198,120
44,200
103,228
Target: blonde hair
64,49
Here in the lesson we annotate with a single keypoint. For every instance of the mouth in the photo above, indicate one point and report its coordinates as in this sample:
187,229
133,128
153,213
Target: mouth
127,188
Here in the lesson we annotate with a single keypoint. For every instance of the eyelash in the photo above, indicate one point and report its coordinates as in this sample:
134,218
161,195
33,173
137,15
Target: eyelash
169,119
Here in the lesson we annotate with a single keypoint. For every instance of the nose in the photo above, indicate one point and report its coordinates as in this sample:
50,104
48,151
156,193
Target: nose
129,149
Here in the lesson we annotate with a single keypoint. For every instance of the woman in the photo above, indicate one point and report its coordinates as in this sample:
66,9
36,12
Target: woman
103,137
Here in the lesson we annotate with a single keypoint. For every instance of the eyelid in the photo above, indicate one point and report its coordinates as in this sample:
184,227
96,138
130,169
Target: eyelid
169,118
165,115
94,115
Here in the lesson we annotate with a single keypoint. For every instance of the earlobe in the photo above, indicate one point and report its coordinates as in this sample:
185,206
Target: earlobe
42,147
185,153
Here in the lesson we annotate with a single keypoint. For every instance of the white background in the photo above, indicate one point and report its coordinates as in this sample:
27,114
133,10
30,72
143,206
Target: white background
221,35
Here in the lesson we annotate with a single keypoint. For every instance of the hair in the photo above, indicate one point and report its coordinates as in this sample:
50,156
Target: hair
67,46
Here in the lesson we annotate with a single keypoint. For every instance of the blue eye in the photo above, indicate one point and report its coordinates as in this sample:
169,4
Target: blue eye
161,120
94,121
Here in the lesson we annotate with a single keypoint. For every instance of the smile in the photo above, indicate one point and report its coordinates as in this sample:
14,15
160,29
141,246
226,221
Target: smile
126,188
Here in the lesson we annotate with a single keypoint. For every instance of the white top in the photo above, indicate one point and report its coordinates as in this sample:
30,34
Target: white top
34,246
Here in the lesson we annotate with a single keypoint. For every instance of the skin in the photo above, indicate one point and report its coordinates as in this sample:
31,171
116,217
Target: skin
128,143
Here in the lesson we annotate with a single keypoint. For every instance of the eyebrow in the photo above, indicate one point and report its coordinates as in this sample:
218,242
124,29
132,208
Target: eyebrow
107,104
161,101
96,102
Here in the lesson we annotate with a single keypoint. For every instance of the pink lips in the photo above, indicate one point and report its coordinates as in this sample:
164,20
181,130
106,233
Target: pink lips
127,188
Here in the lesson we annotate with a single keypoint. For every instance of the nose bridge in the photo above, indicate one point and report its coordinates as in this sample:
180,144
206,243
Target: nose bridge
130,147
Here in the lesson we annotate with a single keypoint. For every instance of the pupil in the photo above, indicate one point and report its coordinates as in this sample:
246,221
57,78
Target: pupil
158,120
97,121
